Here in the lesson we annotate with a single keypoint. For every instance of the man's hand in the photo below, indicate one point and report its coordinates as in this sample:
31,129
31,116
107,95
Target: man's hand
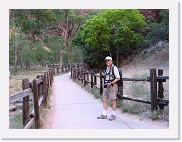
108,85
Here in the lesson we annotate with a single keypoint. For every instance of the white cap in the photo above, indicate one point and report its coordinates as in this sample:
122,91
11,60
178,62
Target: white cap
108,58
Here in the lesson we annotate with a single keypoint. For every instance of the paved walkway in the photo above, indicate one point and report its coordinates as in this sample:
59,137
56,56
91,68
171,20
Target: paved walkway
75,108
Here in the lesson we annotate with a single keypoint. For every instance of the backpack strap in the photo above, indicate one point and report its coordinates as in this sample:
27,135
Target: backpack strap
113,71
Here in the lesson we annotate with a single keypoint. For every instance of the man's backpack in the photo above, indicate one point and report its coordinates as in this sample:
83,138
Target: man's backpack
120,74
120,83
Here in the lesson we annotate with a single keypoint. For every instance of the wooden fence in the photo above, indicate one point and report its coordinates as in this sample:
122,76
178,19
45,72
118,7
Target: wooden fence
57,69
39,87
156,91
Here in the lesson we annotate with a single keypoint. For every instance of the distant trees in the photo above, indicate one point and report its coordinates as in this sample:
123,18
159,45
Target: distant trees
40,36
68,23
25,30
159,30
71,35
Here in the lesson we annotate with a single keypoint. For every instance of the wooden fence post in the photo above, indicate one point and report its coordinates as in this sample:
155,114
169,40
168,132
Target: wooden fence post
53,69
51,76
39,86
81,75
36,104
69,65
153,89
57,70
91,78
48,76
77,74
42,85
87,77
101,86
95,77
120,90
160,88
84,79
71,72
25,111
47,84
45,89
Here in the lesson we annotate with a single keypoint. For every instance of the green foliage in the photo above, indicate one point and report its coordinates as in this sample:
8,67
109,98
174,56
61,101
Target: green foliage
134,107
17,42
154,115
138,90
32,20
111,30
159,30
11,55
15,121
25,26
96,33
28,57
96,92
41,55
76,55
55,43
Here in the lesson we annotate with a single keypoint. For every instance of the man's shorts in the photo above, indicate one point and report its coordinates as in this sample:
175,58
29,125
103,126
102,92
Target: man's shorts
111,92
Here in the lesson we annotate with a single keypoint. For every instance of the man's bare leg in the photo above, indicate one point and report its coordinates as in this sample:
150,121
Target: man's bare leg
113,105
105,107
113,116
105,104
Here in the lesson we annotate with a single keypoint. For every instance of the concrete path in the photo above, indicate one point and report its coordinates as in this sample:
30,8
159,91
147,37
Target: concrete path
75,108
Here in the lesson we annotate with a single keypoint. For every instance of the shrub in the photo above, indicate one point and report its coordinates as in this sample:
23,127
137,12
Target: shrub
134,107
138,90
154,115
159,30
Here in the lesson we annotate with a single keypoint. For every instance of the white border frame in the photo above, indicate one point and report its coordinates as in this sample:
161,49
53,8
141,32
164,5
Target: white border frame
171,133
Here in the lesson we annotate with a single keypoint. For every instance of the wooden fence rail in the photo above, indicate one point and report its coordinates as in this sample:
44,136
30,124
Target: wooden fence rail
39,87
156,93
63,69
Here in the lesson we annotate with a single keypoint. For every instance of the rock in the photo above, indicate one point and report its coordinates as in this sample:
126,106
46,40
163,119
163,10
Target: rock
20,105
162,44
19,100
12,108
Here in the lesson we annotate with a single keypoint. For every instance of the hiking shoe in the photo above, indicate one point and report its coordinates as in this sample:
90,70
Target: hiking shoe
102,117
112,117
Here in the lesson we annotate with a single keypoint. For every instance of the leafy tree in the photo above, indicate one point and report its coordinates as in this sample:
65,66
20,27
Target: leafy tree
25,25
40,53
159,30
55,43
77,56
68,23
16,44
28,55
113,30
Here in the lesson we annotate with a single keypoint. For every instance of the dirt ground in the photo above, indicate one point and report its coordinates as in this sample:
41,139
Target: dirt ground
47,122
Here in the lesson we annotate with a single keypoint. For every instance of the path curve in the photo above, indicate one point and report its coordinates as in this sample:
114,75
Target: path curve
76,108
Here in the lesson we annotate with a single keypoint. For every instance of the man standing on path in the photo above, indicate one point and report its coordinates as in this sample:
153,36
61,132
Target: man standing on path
110,88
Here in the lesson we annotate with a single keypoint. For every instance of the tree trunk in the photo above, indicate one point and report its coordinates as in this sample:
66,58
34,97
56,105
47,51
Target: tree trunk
69,54
21,64
42,64
61,57
16,58
65,37
54,57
